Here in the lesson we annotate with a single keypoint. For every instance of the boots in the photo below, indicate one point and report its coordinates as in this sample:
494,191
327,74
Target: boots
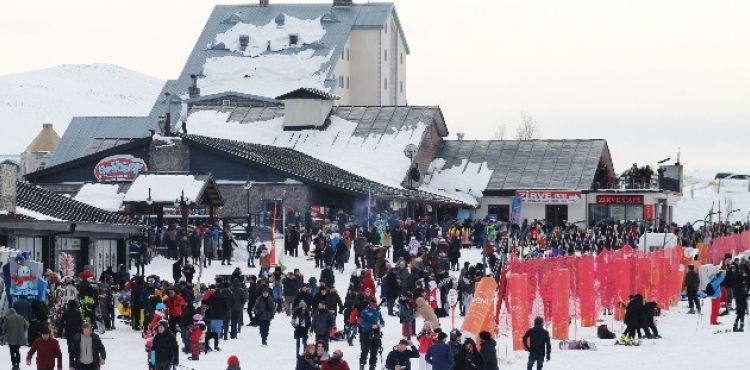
691,311
361,366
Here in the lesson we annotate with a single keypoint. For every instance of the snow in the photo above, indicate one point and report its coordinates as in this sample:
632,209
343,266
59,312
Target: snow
464,182
104,196
164,188
268,75
378,158
703,195
164,141
271,36
57,94
35,215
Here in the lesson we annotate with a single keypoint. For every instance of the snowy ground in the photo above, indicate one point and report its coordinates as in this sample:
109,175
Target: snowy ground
688,343
699,196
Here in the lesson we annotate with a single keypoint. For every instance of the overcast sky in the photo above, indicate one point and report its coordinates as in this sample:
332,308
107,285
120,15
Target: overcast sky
648,76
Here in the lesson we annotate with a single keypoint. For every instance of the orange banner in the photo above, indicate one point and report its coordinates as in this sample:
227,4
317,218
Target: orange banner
481,314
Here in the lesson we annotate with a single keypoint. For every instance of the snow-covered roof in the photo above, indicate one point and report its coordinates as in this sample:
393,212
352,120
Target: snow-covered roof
531,164
464,182
166,188
104,196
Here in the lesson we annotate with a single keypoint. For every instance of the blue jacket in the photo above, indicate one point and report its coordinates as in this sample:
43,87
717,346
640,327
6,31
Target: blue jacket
370,317
439,356
716,284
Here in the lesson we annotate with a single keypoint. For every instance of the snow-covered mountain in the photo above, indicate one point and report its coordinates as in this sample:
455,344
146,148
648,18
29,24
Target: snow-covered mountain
701,195
57,94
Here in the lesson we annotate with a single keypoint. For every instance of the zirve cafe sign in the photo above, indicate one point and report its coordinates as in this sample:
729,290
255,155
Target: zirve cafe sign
549,196
119,168
619,199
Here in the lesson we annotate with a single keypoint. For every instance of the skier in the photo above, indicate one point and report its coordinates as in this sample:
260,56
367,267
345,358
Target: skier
536,342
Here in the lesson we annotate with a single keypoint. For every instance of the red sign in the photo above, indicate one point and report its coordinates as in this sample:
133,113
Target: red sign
648,212
119,168
619,199
549,196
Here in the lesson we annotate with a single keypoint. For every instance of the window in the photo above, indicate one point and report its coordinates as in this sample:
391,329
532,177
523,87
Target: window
341,82
597,212
556,214
385,83
347,53
347,82
402,58
499,212
401,86
386,28
342,55
385,55
293,39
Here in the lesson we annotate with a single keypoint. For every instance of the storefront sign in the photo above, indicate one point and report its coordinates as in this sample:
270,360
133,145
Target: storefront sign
23,276
119,168
619,199
549,196
648,212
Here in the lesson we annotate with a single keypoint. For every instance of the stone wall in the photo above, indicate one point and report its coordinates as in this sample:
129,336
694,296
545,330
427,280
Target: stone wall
298,196
8,177
168,155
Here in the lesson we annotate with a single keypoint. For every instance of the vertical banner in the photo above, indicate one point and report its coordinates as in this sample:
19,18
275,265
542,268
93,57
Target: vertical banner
664,272
585,288
515,211
621,286
481,314
518,288
561,304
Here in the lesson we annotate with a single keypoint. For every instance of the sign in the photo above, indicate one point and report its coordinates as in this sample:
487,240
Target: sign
619,199
452,297
121,167
23,276
549,196
648,212
515,211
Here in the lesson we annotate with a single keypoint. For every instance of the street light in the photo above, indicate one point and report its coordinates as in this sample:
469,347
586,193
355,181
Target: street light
149,202
730,213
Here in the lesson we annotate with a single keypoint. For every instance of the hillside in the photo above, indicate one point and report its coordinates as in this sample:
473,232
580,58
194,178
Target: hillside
701,195
57,94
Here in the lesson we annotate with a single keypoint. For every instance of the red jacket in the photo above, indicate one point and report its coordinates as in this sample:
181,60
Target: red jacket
175,305
334,364
368,284
46,353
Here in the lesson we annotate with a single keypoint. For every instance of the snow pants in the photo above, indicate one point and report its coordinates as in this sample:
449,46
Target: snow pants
715,306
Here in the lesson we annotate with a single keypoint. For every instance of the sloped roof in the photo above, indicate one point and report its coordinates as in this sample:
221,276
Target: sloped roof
55,206
46,141
83,132
534,164
308,93
299,166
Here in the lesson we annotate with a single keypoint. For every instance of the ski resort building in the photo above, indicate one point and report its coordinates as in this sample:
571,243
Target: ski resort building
306,103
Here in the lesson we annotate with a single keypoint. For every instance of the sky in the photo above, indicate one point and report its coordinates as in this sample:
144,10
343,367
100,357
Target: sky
651,77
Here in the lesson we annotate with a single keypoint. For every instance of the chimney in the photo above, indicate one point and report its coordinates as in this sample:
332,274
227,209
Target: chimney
194,90
264,3
306,108
343,2
8,178
460,136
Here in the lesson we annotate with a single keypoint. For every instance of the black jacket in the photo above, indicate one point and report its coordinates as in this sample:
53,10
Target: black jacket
217,307
322,322
72,320
536,340
97,347
692,280
397,357
166,349
489,355
469,361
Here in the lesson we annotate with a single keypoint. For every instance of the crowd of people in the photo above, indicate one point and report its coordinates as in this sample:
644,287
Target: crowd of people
415,264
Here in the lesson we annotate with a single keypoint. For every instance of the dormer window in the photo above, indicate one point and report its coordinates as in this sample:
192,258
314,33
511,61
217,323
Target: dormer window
293,39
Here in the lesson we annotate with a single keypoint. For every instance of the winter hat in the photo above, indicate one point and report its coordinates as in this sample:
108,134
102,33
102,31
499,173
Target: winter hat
302,304
233,360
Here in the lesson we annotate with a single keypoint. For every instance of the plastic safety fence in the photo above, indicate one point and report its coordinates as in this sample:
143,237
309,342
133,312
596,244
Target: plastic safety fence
714,252
561,304
585,289
520,311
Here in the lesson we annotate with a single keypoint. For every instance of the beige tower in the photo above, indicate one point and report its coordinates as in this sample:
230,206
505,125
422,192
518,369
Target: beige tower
38,153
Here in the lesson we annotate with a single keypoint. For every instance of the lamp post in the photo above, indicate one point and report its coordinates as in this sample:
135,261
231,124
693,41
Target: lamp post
182,204
730,213
149,203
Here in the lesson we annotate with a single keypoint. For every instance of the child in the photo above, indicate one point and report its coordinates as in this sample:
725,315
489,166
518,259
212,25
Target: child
233,363
197,336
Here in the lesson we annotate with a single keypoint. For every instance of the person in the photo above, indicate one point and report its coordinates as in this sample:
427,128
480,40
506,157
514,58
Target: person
336,362
239,295
439,355
536,342
740,297
713,291
400,357
691,284
469,357
371,322
425,338
264,310
175,305
633,314
488,351
649,326
47,351
308,360
14,328
301,324
322,323
233,363
321,351
23,307
88,351
164,350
